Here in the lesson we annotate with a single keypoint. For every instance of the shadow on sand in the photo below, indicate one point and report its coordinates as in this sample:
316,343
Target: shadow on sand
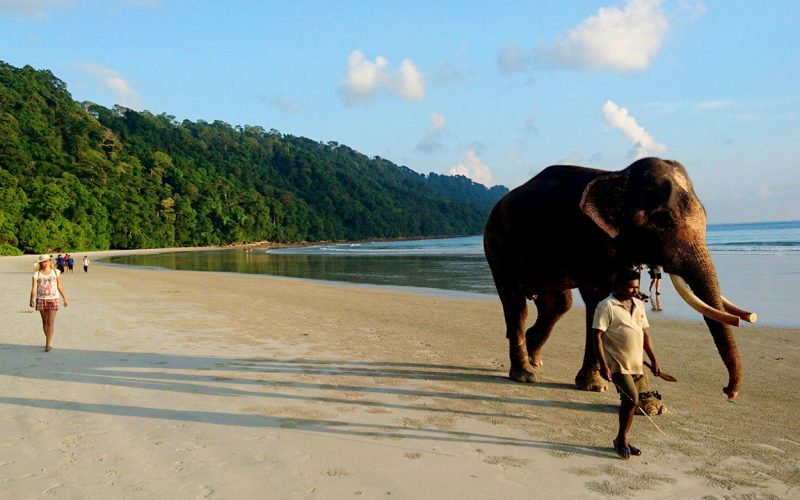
260,377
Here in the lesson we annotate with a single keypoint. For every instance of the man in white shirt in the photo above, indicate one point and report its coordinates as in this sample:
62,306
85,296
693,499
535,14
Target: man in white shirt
620,325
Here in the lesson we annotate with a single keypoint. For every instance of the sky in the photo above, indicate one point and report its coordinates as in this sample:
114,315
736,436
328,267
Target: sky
495,91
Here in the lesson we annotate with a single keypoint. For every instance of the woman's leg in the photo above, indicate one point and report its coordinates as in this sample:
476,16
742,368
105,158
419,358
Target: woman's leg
44,322
51,325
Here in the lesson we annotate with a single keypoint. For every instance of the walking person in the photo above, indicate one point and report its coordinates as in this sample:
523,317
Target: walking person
70,263
620,326
655,278
45,289
86,263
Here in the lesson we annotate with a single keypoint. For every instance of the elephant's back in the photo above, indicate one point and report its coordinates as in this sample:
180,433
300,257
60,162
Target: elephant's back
556,187
541,220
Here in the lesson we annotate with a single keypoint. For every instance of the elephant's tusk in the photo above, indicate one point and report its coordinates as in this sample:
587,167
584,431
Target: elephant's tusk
698,305
750,317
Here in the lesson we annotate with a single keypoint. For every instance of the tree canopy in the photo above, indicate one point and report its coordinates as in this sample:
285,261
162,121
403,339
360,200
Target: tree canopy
82,176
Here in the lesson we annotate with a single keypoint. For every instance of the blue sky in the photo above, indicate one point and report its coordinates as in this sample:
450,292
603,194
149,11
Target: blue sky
493,90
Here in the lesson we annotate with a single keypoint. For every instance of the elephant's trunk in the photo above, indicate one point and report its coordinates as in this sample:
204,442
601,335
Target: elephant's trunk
701,276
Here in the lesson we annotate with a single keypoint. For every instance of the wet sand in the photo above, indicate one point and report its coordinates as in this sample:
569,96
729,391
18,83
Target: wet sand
191,384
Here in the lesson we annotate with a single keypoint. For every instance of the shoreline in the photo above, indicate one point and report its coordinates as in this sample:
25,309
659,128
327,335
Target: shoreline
756,282
190,384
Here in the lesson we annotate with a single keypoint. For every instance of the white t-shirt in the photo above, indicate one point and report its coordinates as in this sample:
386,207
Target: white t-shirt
47,285
623,341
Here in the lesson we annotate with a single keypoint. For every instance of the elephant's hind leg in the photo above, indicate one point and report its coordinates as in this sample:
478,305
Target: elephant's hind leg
550,307
515,310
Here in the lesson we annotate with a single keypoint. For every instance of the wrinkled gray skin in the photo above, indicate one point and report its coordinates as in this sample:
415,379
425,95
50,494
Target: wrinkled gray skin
573,227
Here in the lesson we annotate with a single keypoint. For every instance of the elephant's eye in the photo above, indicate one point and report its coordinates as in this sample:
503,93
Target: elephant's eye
662,220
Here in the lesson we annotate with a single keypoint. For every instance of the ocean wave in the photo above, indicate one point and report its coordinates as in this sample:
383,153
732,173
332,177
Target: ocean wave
747,244
792,251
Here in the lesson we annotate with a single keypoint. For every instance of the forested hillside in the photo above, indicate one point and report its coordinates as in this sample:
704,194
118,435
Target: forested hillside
81,176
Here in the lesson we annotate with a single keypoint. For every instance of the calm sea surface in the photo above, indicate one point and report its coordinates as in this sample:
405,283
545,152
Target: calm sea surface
758,265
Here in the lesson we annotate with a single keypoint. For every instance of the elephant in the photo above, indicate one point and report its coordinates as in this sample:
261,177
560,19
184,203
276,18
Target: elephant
574,227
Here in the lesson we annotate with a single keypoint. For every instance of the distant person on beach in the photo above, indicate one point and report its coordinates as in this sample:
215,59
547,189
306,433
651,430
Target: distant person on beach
86,263
620,326
70,263
655,278
45,289
60,263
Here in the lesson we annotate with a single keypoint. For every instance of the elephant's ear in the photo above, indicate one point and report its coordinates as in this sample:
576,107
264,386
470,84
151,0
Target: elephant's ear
602,202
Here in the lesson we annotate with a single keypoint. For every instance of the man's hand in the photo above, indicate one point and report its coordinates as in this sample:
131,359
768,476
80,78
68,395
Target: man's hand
605,373
656,369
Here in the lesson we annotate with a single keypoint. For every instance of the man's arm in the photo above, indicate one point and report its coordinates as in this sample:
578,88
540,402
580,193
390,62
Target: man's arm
601,355
648,348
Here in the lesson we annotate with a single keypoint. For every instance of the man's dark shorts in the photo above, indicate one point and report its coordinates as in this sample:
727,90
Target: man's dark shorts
627,384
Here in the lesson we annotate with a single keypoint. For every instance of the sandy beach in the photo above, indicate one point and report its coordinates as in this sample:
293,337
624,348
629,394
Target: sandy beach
169,384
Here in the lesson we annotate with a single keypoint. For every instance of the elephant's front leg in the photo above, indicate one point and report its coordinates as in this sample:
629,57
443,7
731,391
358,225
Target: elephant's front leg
588,378
515,309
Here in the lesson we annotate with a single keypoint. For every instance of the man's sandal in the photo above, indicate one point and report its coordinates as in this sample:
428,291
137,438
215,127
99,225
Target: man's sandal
634,450
624,452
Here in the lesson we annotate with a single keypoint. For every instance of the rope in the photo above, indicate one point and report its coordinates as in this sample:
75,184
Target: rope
639,408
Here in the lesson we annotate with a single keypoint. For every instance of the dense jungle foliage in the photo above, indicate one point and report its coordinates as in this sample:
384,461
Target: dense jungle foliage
82,176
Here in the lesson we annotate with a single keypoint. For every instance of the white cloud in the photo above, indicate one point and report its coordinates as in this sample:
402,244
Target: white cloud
621,39
367,78
33,9
115,82
432,140
713,104
409,81
473,168
691,8
430,143
619,118
38,9
512,59
445,75
672,107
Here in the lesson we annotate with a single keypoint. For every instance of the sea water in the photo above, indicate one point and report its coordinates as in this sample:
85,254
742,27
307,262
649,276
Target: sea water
758,265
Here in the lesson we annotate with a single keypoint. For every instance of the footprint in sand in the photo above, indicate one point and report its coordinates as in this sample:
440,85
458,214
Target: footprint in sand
506,461
560,453
337,473
52,489
110,477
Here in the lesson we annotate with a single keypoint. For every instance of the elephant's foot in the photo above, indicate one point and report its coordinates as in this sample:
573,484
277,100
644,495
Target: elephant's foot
525,374
589,379
650,403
